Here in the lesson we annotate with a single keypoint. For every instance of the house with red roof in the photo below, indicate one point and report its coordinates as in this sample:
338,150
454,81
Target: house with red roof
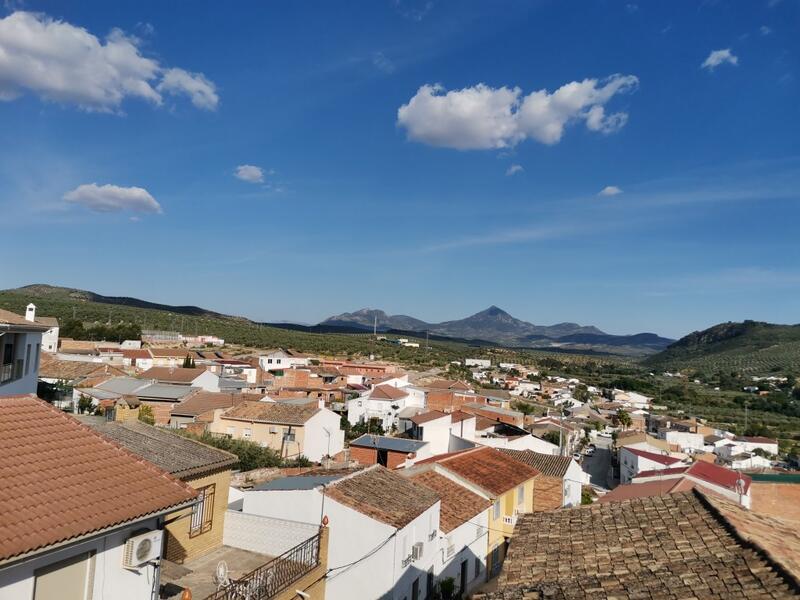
633,461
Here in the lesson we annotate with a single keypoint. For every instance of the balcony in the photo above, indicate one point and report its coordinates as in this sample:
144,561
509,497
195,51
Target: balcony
11,371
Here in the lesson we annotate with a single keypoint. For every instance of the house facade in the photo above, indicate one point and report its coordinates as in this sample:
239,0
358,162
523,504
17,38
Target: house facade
20,351
633,461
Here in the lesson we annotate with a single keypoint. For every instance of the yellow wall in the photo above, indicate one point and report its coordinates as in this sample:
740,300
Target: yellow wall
260,433
180,546
498,530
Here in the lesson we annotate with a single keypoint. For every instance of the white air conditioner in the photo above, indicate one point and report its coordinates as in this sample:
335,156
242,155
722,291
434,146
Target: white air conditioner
416,550
273,429
141,549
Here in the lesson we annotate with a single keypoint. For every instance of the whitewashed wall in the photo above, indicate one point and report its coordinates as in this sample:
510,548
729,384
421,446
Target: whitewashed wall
265,535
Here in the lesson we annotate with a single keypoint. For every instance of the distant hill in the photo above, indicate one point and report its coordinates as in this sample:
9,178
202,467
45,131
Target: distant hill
750,347
496,326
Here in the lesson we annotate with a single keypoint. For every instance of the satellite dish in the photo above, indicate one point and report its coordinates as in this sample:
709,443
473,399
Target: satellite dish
221,575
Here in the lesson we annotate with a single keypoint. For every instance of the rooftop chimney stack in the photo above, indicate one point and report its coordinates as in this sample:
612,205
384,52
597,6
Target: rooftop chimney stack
30,312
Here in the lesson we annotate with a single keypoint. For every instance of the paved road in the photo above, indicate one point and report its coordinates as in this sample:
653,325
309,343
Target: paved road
597,465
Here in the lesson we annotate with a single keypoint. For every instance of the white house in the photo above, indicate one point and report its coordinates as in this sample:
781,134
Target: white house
382,527
633,399
482,363
433,427
687,442
632,461
49,337
109,544
190,376
280,359
725,482
384,402
751,444
20,351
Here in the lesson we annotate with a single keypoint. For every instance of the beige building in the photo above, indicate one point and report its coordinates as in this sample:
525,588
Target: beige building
293,430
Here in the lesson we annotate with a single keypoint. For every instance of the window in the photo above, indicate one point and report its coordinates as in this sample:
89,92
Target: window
496,512
269,361
478,567
247,433
70,578
38,348
203,511
277,361
521,494
28,359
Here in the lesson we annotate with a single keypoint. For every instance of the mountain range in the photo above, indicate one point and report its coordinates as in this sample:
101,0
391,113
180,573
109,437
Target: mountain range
497,326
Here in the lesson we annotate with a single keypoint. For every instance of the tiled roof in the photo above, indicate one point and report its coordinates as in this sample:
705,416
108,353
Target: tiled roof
383,442
178,455
487,468
11,318
428,416
62,481
459,415
387,392
49,321
657,487
74,370
756,439
718,475
202,402
170,352
136,353
173,374
448,384
272,412
661,472
670,547
383,495
550,465
458,503
659,458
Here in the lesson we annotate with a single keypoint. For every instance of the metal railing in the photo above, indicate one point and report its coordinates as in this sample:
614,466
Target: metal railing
273,577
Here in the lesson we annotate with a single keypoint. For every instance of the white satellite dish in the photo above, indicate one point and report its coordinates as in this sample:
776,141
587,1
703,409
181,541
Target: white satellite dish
221,575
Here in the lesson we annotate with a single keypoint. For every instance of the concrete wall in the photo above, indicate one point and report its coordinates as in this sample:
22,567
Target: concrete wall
28,381
265,535
110,579
470,541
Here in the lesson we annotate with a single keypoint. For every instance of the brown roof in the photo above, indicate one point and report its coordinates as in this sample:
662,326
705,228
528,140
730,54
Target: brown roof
136,353
11,318
487,468
49,321
202,402
460,415
428,416
550,465
173,374
648,488
272,412
181,456
448,384
383,495
458,503
389,392
62,481
170,352
74,370
670,547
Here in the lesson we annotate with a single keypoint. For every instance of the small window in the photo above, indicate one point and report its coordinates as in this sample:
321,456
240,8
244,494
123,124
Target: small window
28,359
277,361
203,511
269,361
521,494
478,567
38,348
496,509
247,433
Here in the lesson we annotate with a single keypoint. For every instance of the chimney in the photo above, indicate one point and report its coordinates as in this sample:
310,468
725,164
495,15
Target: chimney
30,312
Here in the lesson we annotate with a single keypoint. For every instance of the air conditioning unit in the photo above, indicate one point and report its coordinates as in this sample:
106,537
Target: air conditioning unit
273,429
141,549
416,550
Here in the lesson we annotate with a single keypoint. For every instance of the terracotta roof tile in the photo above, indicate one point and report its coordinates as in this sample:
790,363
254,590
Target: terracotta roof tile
11,318
202,402
659,458
74,370
387,392
658,487
550,465
272,412
383,495
173,374
458,503
61,480
677,546
487,468
428,416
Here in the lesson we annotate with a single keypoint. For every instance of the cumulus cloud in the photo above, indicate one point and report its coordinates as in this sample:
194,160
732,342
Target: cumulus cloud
482,117
514,169
113,198
719,57
64,63
249,173
610,190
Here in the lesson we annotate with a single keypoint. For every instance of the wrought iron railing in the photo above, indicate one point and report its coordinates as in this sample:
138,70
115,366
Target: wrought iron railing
275,576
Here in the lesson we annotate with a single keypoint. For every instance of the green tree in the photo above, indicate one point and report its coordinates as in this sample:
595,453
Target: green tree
587,497
553,437
188,362
84,404
624,418
146,414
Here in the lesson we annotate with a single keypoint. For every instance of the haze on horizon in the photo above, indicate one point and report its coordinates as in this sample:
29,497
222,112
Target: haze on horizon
631,166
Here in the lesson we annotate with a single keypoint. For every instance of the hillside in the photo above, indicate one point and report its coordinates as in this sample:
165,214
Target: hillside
89,307
749,347
494,325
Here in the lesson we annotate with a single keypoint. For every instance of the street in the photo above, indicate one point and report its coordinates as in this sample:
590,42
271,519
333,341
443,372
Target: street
598,464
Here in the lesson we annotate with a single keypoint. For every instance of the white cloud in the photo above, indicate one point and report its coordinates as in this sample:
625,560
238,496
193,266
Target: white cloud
718,57
113,198
765,30
610,190
64,63
514,169
250,173
482,117
382,63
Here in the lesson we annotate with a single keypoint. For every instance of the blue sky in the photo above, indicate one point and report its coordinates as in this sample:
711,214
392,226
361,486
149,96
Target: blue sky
428,158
